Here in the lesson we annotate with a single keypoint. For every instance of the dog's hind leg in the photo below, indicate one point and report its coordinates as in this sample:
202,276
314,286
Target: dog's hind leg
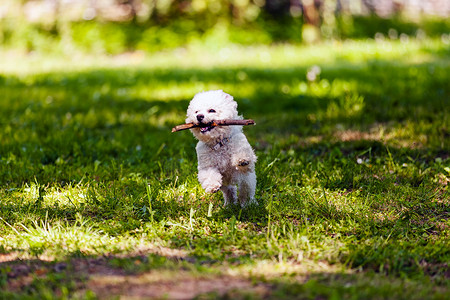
229,194
247,187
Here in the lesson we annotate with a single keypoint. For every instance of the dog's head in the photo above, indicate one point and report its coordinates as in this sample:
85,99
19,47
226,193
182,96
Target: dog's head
208,106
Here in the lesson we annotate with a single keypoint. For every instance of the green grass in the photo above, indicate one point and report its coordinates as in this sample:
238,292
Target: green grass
99,199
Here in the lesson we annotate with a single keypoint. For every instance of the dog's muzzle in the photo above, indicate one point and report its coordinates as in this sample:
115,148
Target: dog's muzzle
200,117
205,128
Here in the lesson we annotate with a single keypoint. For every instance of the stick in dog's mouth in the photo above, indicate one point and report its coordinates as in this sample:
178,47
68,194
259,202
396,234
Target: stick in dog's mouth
206,129
208,126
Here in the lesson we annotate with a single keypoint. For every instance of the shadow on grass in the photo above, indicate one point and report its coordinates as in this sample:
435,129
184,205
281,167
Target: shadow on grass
260,92
58,113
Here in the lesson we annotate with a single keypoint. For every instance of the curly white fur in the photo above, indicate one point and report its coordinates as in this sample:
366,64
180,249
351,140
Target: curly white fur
225,158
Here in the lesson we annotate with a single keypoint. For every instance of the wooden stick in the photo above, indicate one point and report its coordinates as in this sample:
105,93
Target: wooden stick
214,124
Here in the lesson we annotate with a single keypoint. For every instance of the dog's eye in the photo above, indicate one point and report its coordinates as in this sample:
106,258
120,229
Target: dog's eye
196,111
211,111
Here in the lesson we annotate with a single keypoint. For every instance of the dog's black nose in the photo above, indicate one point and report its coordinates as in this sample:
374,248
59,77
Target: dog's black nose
200,117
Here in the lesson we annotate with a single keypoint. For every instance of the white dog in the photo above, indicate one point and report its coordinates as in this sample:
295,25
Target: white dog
225,158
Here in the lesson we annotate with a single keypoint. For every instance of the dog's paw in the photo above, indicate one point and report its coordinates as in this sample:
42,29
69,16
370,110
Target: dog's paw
243,162
212,188
251,202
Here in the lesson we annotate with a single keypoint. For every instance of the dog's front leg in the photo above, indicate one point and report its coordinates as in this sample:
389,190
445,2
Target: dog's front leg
210,179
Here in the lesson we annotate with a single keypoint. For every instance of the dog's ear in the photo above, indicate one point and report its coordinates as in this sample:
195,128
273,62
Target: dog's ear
233,104
189,115
227,96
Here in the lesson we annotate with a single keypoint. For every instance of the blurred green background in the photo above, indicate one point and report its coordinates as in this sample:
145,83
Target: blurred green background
117,26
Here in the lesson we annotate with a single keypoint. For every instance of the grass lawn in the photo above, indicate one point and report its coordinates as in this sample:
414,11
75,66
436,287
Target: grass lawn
98,199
